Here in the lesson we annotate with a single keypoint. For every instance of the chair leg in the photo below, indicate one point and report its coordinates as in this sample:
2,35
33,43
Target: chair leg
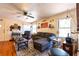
18,47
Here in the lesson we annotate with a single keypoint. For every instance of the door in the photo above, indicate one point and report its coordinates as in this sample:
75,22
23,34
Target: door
2,36
78,41
77,12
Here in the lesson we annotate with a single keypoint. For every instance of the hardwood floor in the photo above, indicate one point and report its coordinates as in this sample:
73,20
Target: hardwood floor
7,48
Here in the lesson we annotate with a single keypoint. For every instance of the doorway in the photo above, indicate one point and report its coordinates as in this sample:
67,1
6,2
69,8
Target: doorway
2,31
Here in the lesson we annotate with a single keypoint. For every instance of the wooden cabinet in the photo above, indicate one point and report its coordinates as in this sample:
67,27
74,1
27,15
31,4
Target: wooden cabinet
7,48
70,48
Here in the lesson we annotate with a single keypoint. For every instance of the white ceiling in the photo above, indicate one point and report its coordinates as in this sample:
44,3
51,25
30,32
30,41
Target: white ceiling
41,9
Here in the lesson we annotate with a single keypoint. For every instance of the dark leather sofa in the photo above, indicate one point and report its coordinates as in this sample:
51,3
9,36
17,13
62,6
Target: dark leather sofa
41,40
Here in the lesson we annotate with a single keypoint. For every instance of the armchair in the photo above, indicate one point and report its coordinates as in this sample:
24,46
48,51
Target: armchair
20,42
27,35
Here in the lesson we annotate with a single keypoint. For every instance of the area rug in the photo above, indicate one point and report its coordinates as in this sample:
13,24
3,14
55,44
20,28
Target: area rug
30,50
33,52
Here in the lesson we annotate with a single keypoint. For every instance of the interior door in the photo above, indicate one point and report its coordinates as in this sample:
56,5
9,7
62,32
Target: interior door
2,36
78,41
77,12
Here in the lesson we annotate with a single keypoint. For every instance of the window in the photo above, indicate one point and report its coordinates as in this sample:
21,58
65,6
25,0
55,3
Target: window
34,29
29,27
64,27
26,28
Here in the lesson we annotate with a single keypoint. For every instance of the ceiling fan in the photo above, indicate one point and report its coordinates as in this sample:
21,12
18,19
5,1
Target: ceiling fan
23,12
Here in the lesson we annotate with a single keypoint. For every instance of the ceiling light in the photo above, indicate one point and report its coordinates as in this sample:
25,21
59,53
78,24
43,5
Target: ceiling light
67,14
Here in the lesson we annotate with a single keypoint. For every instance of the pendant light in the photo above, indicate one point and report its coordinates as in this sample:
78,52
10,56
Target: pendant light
67,16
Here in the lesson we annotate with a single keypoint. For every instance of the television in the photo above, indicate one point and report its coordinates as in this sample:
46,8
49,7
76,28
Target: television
69,40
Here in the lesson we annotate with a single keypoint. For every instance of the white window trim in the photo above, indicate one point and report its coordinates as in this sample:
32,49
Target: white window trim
63,27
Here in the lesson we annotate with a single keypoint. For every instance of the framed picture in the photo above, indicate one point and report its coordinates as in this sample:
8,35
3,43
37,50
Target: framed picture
51,26
44,25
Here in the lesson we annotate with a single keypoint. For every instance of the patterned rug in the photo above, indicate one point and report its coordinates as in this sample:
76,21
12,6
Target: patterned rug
33,52
30,51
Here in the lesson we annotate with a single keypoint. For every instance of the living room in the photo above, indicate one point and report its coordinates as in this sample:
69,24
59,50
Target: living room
39,21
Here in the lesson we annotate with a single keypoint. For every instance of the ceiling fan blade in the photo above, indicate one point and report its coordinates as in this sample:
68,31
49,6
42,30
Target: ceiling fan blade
30,16
23,12
17,8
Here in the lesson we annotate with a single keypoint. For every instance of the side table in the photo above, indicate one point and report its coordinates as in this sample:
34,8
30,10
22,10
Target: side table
70,48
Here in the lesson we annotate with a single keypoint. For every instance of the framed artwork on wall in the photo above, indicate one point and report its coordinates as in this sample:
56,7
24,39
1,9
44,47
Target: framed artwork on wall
44,25
51,26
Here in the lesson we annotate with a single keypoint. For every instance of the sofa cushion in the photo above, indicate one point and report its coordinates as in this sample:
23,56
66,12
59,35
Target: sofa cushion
42,41
58,52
